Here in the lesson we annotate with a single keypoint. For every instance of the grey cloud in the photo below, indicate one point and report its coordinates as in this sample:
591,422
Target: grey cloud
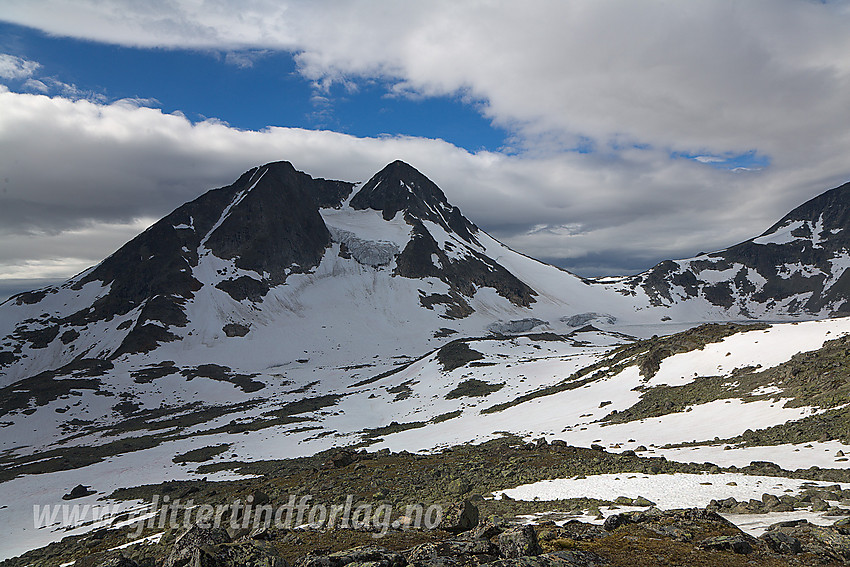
636,81
78,175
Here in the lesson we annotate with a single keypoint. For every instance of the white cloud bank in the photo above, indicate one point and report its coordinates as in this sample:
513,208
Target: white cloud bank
635,81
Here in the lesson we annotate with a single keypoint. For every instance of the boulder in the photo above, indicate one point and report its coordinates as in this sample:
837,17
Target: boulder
735,543
459,517
614,521
490,528
372,555
248,553
780,542
519,542
572,558
642,502
475,552
196,547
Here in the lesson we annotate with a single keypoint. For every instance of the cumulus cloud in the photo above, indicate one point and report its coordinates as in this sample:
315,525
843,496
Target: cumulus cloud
13,67
696,76
78,178
602,100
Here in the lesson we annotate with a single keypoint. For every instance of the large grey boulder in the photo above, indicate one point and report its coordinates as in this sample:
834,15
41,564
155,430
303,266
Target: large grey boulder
519,542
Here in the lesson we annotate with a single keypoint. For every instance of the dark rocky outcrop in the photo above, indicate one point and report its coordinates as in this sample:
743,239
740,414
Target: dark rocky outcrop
79,491
790,263
401,189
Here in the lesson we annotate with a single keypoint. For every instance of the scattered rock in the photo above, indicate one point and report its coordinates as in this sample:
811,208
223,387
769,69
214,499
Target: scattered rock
235,330
79,491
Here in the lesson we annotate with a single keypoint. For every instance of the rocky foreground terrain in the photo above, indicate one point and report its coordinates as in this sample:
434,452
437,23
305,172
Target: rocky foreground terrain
474,528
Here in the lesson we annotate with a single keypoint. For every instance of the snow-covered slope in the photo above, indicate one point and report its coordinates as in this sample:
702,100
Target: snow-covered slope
798,268
279,267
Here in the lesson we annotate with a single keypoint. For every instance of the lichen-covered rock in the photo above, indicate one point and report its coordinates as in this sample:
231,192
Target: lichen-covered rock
556,559
196,547
248,553
459,517
519,542
471,551
735,543
119,560
825,541
371,555
781,543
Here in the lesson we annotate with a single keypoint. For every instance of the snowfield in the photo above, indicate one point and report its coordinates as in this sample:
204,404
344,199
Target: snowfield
676,491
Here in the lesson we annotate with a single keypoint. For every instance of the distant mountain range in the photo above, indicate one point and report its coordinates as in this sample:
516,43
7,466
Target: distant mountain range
280,254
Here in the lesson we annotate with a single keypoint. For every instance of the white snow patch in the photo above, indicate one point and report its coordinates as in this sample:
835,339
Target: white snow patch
782,235
667,491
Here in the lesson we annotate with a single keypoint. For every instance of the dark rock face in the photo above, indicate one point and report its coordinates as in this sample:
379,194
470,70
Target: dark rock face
797,266
267,221
400,187
331,194
274,225
464,274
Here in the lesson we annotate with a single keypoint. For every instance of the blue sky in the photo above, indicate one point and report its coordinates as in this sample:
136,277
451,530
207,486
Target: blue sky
600,136
248,90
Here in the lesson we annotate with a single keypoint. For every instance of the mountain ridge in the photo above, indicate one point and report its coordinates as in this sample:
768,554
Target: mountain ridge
798,266
275,223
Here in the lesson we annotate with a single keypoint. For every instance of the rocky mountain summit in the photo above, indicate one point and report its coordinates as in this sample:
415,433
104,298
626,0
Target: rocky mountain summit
797,266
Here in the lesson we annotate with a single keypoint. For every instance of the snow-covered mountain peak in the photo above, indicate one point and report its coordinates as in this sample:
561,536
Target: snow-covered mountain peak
280,257
797,267
401,188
